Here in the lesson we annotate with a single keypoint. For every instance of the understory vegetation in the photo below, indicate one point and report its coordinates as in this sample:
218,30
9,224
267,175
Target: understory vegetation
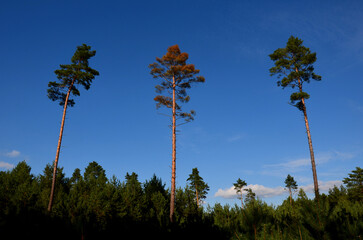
89,205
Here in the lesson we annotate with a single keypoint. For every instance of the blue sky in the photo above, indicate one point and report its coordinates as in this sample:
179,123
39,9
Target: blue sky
244,126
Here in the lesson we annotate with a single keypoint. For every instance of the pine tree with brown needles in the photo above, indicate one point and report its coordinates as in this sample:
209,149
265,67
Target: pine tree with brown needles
176,77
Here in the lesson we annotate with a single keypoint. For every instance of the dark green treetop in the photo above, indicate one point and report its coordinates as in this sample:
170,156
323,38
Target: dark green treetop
238,186
294,66
70,75
197,184
250,196
354,183
290,182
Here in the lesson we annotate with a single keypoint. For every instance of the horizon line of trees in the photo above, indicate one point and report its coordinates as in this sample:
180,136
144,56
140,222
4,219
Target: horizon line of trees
89,205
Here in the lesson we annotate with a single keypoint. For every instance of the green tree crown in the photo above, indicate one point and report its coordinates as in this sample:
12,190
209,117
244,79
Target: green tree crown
76,73
294,66
197,184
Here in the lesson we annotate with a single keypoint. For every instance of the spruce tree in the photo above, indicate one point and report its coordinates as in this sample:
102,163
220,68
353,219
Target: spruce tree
294,66
176,77
69,76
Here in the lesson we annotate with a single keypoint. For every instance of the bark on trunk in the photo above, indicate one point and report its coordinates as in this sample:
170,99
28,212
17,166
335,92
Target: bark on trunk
255,230
290,197
196,193
315,178
51,197
173,170
316,186
241,199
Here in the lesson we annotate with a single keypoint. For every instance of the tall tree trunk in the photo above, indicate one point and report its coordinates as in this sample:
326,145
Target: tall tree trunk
241,199
255,230
316,186
196,193
173,170
315,178
290,196
51,197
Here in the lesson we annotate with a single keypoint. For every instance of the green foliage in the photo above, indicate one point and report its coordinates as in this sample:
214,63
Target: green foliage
354,184
238,186
250,196
199,187
91,206
76,73
294,66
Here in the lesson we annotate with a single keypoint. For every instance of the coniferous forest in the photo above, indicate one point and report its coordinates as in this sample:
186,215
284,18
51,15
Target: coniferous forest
89,205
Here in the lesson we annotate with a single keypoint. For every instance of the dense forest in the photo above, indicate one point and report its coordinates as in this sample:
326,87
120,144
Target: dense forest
88,205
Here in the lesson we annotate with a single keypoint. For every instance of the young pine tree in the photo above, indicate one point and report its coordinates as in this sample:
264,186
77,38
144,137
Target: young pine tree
198,185
238,186
294,64
69,76
354,184
291,185
176,77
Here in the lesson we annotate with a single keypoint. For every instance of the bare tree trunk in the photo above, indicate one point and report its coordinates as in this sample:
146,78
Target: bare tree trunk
173,171
290,197
300,233
241,199
315,178
51,197
255,230
196,193
316,186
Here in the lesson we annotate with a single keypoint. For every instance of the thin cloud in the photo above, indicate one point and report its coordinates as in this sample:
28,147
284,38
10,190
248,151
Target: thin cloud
260,190
6,165
302,164
234,138
323,186
267,192
12,154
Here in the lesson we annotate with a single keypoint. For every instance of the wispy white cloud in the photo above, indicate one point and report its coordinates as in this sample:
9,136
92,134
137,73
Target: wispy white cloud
235,138
6,165
12,154
302,164
260,190
323,186
267,192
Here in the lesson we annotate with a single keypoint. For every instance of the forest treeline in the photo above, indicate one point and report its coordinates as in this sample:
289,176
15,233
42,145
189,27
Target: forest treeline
89,205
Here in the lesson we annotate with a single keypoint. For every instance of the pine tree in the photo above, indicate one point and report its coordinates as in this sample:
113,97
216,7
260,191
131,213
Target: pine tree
238,186
250,196
291,185
176,77
198,185
69,76
354,184
294,64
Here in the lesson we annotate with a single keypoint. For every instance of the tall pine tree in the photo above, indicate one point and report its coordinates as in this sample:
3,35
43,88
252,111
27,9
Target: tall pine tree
176,77
294,66
69,76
